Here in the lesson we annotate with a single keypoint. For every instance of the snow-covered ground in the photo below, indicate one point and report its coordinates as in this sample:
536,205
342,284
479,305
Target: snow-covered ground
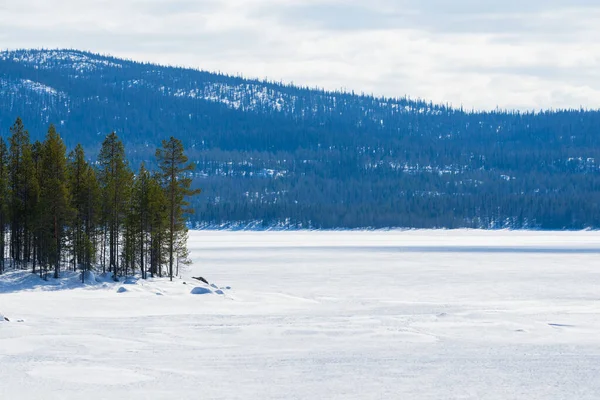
321,315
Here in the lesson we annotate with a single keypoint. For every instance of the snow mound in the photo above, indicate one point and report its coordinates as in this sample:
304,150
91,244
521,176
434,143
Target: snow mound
3,318
24,280
89,277
105,277
219,291
201,290
122,290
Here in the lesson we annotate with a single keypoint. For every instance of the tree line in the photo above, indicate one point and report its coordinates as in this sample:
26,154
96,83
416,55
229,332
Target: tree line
60,210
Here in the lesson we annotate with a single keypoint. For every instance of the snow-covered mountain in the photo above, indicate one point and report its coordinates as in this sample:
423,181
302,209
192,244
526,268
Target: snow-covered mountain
235,93
277,153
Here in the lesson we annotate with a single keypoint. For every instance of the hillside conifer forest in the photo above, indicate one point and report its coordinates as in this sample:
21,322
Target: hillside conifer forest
269,154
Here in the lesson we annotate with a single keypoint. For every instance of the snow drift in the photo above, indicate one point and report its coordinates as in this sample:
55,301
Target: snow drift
201,290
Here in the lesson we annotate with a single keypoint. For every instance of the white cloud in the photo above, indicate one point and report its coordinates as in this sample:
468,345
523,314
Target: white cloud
513,54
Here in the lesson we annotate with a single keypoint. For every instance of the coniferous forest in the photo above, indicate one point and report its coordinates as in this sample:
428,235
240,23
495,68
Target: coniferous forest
271,154
59,209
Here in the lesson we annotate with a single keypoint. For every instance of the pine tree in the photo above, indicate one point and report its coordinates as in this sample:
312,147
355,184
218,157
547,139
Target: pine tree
177,182
38,238
158,225
76,169
55,207
129,230
140,216
85,194
4,201
115,178
55,197
91,216
129,248
23,188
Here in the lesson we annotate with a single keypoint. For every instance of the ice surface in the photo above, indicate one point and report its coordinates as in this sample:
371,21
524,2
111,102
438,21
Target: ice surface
321,315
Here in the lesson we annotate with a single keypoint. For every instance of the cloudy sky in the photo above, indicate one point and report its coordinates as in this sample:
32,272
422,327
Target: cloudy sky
526,54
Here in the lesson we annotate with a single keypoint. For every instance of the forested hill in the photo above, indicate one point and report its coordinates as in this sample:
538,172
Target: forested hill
299,157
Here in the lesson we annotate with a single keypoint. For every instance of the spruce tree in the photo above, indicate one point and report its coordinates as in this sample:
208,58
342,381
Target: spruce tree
76,168
176,180
23,194
55,197
115,178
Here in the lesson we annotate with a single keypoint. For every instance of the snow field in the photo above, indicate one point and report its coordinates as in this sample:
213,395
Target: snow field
321,315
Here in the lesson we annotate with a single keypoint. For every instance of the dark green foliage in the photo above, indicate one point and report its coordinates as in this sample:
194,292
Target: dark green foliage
86,204
60,211
24,191
55,208
116,180
139,219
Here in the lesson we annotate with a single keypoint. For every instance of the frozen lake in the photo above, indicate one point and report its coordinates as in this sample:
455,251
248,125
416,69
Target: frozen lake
325,315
